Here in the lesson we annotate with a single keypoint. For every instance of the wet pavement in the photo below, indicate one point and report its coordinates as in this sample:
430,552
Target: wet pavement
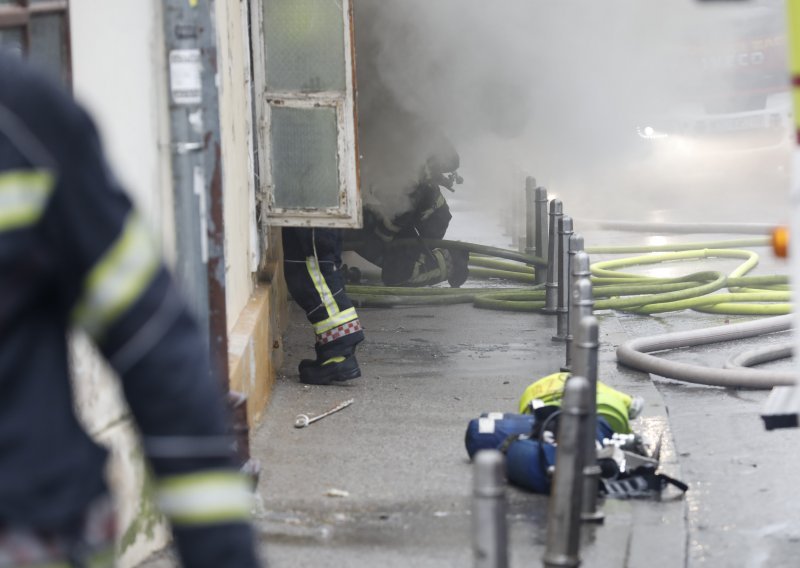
386,482
398,457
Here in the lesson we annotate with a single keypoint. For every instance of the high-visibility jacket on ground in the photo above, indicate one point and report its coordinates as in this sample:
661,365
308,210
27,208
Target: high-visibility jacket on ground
74,254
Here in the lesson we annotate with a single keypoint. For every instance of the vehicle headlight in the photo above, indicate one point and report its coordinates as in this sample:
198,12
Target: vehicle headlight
650,133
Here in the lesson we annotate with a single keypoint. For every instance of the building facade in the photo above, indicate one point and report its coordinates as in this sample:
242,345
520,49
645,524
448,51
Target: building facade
116,57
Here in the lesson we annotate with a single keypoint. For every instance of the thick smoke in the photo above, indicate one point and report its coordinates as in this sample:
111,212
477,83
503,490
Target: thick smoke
556,90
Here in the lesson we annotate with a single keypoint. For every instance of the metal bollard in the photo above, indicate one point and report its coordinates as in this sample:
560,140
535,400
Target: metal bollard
582,304
563,518
489,528
582,267
540,239
562,311
575,245
530,215
551,287
586,347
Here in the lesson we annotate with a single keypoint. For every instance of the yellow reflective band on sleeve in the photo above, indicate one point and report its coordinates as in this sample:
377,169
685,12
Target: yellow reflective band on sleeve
793,21
205,498
341,318
23,196
118,279
321,286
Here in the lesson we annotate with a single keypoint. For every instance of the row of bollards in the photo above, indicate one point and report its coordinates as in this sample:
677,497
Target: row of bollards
574,487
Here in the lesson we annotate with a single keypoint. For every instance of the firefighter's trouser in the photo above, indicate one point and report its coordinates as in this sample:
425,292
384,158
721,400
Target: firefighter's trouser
312,261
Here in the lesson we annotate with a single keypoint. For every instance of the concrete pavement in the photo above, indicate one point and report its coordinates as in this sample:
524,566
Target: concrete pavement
387,481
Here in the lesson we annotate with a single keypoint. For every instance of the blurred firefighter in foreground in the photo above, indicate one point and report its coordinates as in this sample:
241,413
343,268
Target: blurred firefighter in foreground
74,254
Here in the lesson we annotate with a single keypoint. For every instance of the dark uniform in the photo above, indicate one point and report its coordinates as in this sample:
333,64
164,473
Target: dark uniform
413,263
74,253
312,263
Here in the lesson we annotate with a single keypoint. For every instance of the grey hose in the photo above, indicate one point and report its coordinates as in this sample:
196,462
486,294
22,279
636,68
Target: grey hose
683,228
634,354
760,355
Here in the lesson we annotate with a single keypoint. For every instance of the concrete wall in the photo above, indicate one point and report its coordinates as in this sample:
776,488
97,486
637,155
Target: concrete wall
237,154
119,75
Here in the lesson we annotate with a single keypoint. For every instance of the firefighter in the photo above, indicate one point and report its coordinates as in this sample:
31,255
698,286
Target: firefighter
405,161
314,276
396,242
312,256
75,254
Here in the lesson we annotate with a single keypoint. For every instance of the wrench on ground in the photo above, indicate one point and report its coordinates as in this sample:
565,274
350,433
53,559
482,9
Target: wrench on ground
304,420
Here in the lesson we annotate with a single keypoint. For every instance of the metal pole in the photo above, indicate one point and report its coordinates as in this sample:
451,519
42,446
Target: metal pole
551,287
582,266
196,151
489,529
582,306
586,347
563,519
575,245
530,215
191,45
540,239
564,233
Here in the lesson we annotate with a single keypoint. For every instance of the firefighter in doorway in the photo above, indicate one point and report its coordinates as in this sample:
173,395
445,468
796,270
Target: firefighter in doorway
411,262
405,161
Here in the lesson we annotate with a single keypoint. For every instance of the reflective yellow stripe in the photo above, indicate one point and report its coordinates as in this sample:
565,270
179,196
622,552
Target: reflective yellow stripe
322,287
793,19
341,318
418,276
205,498
23,196
118,279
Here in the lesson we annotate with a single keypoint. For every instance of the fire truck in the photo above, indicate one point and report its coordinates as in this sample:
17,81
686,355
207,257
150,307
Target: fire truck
735,90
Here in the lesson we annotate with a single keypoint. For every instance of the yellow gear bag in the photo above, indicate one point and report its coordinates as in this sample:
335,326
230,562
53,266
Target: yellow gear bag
612,404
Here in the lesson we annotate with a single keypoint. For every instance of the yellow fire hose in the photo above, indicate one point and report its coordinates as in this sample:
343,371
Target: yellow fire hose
709,291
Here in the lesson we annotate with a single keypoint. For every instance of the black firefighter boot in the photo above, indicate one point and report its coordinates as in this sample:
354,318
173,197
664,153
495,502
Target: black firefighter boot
334,369
457,262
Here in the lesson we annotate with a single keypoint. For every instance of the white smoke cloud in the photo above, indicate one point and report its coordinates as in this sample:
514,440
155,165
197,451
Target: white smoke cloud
529,87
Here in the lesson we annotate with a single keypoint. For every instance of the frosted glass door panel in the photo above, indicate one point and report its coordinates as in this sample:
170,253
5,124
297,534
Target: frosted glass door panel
305,161
305,45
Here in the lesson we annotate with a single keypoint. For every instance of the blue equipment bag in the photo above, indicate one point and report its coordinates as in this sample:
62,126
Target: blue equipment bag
528,463
528,460
491,430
